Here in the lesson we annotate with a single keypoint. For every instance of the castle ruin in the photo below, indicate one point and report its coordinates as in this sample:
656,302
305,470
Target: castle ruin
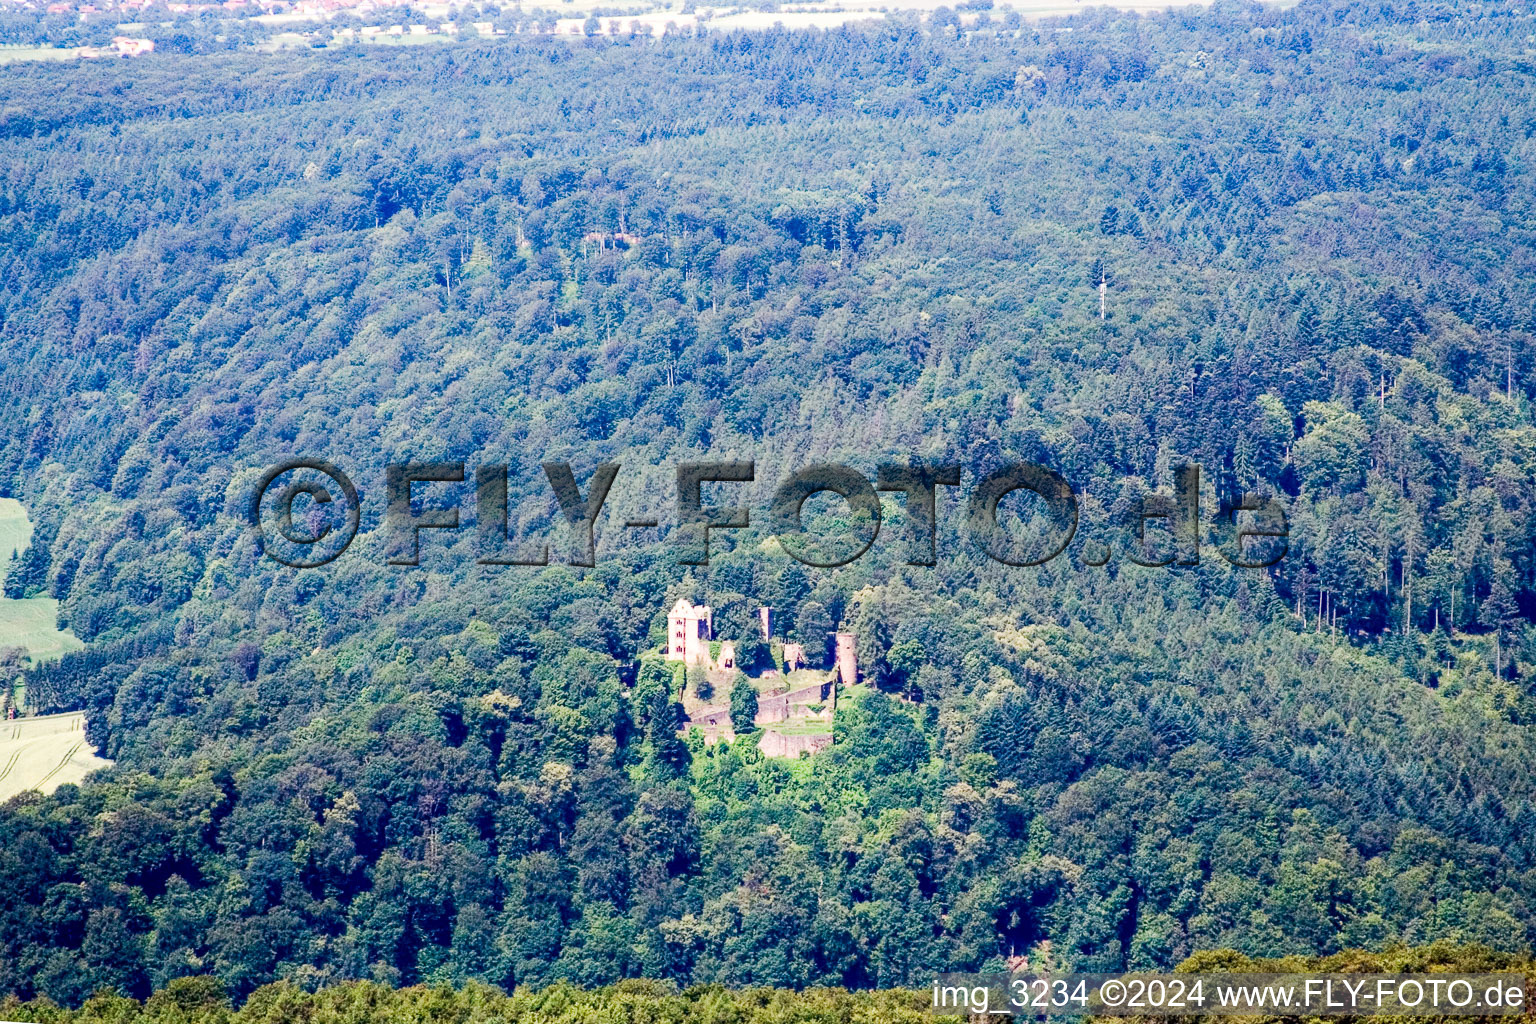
806,712
690,629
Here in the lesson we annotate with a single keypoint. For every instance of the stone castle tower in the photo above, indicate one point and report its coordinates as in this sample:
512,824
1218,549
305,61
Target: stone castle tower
846,659
689,628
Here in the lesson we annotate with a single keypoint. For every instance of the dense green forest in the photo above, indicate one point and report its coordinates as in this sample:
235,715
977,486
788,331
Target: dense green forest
203,1000
1313,226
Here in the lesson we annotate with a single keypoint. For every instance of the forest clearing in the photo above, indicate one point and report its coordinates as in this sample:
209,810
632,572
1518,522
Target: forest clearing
30,623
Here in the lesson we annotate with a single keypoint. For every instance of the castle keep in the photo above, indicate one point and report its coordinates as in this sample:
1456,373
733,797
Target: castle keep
689,628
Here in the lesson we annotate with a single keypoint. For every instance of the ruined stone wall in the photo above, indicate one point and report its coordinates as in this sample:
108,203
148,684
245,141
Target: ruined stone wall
776,744
780,707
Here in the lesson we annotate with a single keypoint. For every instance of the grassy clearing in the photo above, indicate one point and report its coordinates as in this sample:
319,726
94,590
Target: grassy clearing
15,526
15,54
31,623
796,680
802,728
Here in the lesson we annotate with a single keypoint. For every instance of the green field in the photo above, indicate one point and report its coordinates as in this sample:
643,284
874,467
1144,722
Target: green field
32,623
12,54
15,528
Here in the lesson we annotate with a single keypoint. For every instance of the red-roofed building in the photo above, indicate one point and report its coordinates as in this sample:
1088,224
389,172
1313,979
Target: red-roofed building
127,46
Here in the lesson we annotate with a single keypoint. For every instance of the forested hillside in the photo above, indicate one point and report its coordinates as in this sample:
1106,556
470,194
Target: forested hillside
1313,227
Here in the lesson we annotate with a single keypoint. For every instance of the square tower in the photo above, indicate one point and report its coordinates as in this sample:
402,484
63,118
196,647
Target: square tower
689,628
